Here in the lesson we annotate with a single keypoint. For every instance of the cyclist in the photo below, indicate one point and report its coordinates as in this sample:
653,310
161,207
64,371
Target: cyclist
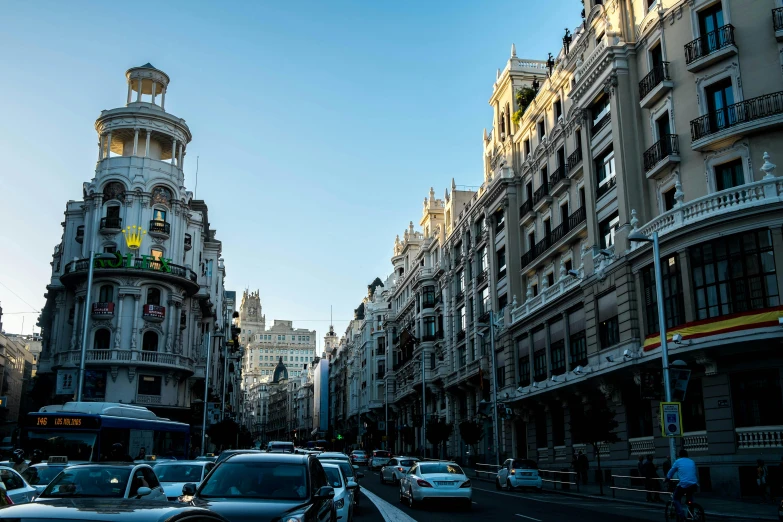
685,469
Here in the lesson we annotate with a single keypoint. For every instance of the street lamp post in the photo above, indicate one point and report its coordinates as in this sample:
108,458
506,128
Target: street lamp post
85,324
423,408
638,236
495,415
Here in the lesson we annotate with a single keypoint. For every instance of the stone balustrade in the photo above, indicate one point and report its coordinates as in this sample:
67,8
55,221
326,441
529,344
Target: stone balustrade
760,437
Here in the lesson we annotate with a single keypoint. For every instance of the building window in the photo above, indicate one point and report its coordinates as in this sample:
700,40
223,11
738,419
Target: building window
110,249
539,364
158,215
500,220
429,297
558,358
720,95
541,131
527,148
106,294
608,324
605,172
578,350
149,385
153,296
600,110
524,370
668,199
460,282
672,295
102,339
462,323
550,279
608,228
734,274
482,260
486,304
156,253
756,399
501,257
729,175
502,301
710,20
429,327
149,342
558,108
501,377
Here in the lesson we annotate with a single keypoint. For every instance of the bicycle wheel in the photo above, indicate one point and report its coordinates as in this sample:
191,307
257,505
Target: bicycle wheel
696,513
670,513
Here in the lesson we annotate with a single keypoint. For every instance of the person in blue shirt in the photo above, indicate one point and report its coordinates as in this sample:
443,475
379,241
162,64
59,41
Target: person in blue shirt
686,471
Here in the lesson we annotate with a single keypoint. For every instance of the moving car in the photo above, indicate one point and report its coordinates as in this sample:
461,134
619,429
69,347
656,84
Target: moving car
396,468
343,491
350,473
109,510
436,480
280,447
17,488
334,455
230,453
115,480
379,459
266,486
519,473
359,457
175,474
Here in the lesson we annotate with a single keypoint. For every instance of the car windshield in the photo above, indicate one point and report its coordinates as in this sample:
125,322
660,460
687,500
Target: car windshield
334,476
40,476
179,473
90,481
427,468
345,466
407,463
525,464
76,445
10,480
381,454
258,480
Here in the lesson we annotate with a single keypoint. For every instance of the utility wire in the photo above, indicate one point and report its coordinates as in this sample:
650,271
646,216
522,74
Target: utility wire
17,295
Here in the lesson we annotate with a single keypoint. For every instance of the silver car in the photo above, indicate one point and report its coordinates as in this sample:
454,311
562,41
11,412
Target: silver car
17,488
131,481
343,491
396,468
173,474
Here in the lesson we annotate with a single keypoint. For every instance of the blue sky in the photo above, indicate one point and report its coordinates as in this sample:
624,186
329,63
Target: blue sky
319,126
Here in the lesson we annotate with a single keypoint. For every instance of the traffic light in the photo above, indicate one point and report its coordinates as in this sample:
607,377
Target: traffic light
339,437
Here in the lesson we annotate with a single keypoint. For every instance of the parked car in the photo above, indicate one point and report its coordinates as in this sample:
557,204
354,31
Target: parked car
519,473
436,480
17,489
40,475
359,457
349,470
115,480
266,486
379,459
230,453
343,491
108,510
396,468
175,474
280,447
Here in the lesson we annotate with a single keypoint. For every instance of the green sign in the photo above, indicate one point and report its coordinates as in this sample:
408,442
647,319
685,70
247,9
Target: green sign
160,264
339,437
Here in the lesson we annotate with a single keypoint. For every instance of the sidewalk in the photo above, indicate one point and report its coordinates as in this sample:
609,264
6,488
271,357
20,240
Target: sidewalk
714,506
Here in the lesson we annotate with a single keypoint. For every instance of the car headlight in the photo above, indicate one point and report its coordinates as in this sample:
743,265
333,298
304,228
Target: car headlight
340,503
294,518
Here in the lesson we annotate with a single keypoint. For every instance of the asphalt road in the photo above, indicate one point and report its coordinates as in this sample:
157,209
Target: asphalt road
490,504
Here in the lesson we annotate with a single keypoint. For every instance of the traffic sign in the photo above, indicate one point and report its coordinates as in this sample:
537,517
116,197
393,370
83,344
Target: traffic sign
671,419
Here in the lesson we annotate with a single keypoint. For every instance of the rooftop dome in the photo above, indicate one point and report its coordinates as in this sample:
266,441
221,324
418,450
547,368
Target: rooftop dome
281,372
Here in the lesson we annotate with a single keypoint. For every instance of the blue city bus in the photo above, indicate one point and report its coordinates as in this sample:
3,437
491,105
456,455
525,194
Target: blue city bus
86,432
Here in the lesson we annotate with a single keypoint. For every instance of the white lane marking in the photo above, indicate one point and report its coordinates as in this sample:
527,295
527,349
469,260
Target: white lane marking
517,496
529,518
388,512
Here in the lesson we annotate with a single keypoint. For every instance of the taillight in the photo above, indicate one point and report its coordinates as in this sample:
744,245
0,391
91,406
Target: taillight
513,472
465,484
423,483
400,469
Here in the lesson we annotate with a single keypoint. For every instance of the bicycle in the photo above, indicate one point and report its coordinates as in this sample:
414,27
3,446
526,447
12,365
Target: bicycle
693,511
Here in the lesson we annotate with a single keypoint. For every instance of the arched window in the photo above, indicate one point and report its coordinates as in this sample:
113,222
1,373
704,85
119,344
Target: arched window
153,296
102,339
149,342
106,294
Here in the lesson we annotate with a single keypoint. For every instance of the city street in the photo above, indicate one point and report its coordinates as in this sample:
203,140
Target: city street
490,504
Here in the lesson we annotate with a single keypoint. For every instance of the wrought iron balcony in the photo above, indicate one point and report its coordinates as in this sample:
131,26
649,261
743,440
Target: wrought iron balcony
484,317
600,124
540,193
708,44
667,146
102,310
735,115
159,228
526,210
141,267
558,180
80,234
658,74
574,159
460,295
602,190
111,223
575,219
481,277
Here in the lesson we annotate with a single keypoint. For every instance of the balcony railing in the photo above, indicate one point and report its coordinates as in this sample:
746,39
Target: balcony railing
80,233
603,122
460,295
658,74
695,441
709,43
732,115
111,223
460,335
102,310
481,277
666,146
606,187
154,313
125,356
557,176
559,232
147,399
541,193
642,445
777,19
526,207
760,437
573,159
158,226
148,265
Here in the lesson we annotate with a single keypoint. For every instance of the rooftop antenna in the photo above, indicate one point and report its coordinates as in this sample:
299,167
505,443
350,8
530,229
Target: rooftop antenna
331,316
195,190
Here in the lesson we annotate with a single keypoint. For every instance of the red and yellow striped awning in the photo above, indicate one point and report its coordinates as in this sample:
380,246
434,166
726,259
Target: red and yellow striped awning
719,325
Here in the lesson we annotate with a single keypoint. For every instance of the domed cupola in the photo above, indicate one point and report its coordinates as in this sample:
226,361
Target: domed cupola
281,372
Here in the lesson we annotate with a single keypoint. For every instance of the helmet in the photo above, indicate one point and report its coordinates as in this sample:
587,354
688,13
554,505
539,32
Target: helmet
19,455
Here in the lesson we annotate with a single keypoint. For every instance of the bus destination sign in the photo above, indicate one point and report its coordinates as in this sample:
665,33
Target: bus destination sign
65,422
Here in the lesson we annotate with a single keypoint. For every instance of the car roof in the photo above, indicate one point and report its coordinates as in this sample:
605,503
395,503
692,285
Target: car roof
112,465
89,509
403,457
188,462
270,457
332,455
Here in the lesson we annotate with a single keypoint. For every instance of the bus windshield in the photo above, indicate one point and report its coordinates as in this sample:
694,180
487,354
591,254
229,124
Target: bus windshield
76,445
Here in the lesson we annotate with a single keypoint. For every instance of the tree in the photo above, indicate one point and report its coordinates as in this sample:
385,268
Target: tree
524,97
471,433
595,427
438,431
224,433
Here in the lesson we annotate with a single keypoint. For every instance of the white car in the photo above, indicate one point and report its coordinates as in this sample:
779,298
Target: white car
379,459
436,480
343,491
396,468
173,474
17,488
130,481
519,473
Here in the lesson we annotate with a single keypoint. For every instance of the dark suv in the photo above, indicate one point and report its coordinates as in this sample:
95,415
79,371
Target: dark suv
266,486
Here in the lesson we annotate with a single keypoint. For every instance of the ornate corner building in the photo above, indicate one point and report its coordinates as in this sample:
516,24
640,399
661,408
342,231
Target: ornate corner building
158,284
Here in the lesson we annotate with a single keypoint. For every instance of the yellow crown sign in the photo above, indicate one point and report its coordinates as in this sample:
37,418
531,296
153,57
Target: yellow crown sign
133,236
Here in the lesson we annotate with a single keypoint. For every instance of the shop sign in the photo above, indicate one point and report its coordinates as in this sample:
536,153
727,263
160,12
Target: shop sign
159,264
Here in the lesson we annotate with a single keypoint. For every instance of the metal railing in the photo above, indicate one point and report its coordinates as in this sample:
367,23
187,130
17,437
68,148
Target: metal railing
559,232
81,265
709,43
486,469
541,193
735,114
606,187
777,19
526,207
160,227
603,122
566,479
641,482
111,223
557,176
658,74
574,159
666,146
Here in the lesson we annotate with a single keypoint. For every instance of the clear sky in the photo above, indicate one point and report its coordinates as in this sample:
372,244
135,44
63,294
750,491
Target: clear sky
319,126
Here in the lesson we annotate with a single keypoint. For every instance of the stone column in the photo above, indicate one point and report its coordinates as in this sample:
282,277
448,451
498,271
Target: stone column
567,338
135,141
174,152
181,152
590,186
548,350
108,145
531,357
76,322
130,91
163,99
687,285
138,95
100,147
147,146
170,329
135,329
154,93
118,332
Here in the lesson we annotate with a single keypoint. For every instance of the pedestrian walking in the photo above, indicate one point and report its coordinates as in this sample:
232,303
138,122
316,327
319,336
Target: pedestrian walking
651,483
575,465
761,479
584,465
